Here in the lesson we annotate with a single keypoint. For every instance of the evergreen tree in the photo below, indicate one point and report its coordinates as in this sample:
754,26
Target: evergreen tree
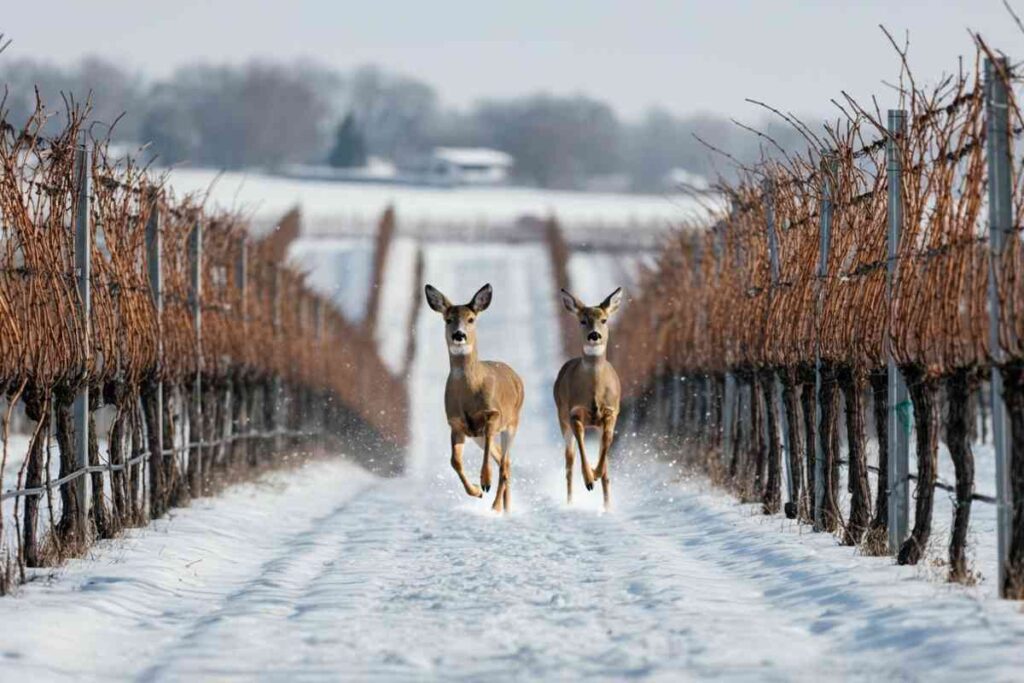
349,146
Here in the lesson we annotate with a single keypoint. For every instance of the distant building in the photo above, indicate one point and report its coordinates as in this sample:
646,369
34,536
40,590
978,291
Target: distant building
469,166
681,179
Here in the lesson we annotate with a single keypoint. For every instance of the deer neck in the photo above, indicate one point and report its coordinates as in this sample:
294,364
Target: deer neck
466,367
594,361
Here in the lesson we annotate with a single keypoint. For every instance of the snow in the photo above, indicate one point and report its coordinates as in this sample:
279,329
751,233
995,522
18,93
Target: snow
326,572
340,268
595,275
473,156
394,324
355,207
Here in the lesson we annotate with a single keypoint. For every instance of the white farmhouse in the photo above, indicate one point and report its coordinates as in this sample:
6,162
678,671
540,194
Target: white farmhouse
469,166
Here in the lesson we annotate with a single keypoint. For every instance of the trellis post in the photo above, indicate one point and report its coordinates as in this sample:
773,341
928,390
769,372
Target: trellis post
730,382
898,432
156,288
829,167
83,266
241,425
1000,207
275,390
773,256
195,253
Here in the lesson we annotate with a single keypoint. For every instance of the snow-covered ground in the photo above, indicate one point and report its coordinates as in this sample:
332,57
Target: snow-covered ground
395,313
358,206
594,275
327,573
340,269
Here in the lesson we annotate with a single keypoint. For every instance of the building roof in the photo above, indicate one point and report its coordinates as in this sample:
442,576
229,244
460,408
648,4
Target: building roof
473,156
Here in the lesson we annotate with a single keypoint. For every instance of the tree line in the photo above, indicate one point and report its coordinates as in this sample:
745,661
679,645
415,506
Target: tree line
264,114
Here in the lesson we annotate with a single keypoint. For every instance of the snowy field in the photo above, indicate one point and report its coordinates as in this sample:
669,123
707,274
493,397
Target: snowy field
327,572
595,275
339,269
358,206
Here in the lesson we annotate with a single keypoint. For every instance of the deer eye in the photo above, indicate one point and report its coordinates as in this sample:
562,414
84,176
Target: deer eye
470,320
583,323
604,321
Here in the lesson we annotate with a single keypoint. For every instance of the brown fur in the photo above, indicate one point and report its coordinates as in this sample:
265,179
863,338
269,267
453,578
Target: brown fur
587,393
482,399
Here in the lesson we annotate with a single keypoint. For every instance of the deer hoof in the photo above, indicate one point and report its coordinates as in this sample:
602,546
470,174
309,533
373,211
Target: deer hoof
476,492
485,487
590,485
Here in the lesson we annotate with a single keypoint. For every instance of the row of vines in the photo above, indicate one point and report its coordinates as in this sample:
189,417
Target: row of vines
266,371
713,308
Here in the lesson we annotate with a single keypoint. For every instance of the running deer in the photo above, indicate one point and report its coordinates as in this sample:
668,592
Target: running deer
587,391
482,399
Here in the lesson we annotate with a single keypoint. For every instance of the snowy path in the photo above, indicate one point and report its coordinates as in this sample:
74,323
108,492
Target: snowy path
328,573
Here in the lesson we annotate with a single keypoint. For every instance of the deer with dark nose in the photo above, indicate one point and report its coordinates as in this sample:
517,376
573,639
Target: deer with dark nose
482,399
587,391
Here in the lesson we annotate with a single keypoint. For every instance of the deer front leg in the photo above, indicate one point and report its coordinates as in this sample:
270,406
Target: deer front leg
485,467
488,418
458,441
607,434
588,474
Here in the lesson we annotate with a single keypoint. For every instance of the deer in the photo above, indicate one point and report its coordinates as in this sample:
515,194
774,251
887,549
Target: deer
482,399
587,392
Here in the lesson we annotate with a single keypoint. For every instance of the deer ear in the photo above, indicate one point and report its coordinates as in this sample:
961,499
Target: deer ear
571,303
611,304
437,301
482,299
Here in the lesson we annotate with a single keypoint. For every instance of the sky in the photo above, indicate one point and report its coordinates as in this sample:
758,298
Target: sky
687,57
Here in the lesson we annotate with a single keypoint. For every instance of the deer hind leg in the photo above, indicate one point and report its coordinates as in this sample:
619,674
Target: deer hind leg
503,497
458,441
577,429
570,455
607,435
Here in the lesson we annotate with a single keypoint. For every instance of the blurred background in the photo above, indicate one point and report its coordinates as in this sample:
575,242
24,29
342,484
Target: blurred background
614,118
584,95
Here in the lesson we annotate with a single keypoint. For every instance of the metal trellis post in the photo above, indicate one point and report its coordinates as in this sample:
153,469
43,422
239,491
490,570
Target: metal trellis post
83,265
773,254
195,250
730,381
829,167
275,312
156,287
1000,206
898,430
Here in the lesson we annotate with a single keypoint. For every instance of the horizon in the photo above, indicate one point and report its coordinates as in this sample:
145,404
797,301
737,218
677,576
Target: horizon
590,49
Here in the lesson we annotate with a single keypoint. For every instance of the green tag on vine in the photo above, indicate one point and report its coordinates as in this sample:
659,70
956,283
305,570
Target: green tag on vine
905,416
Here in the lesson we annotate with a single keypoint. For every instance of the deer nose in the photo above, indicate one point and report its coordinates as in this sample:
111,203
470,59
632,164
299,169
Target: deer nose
594,337
459,336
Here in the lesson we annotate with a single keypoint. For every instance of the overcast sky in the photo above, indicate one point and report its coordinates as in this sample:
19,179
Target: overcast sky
686,56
